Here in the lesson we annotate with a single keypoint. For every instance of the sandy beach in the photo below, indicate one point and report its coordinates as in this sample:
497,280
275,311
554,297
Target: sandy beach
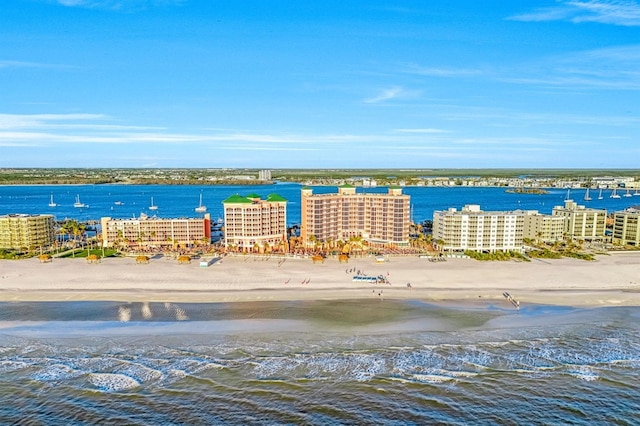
611,280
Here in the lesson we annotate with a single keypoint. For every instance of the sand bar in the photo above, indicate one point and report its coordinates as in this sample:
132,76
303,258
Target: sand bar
611,280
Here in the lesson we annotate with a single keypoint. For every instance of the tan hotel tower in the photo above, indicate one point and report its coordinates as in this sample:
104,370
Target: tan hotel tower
252,223
376,217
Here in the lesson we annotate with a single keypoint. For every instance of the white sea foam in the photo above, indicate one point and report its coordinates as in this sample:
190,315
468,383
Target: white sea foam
112,382
583,372
56,372
432,378
139,372
8,366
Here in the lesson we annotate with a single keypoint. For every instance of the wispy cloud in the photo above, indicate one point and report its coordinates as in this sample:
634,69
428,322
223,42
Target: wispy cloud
511,118
22,121
51,129
610,68
614,12
27,64
119,5
395,92
421,131
60,134
442,71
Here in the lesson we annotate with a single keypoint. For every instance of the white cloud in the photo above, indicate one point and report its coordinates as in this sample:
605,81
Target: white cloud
615,68
395,92
118,5
21,121
442,72
423,131
384,95
27,64
614,12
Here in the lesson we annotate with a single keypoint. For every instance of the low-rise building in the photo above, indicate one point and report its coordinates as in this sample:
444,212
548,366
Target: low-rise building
380,218
156,232
626,227
582,222
25,231
253,224
477,230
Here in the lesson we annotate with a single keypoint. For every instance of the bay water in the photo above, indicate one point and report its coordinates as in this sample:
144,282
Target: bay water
181,201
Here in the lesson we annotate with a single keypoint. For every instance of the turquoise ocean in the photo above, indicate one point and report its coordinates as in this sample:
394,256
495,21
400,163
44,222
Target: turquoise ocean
339,362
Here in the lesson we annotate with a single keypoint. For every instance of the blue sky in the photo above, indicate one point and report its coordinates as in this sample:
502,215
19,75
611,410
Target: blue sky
320,84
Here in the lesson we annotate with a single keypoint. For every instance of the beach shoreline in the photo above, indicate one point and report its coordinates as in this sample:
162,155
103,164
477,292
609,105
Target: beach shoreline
610,280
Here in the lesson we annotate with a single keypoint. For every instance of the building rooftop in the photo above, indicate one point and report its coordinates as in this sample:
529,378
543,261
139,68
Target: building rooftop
251,198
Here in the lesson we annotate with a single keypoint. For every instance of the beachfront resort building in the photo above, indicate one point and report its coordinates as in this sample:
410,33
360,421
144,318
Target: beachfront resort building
253,224
543,227
26,231
379,218
155,232
581,222
626,227
477,230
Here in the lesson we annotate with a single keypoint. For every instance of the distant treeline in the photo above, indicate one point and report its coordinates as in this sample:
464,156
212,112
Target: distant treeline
22,176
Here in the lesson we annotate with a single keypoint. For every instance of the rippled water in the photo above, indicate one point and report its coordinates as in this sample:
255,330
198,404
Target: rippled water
364,362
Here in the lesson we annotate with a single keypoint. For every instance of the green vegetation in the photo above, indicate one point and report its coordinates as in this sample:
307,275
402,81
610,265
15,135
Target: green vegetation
14,254
581,256
499,255
383,177
86,252
557,250
544,254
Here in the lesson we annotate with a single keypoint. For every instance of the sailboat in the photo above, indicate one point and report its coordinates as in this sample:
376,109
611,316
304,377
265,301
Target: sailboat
600,194
628,193
201,208
586,195
568,197
79,204
614,194
636,193
153,206
52,203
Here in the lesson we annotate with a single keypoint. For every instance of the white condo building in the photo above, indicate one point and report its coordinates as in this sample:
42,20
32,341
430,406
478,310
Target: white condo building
155,232
626,227
477,230
543,227
581,222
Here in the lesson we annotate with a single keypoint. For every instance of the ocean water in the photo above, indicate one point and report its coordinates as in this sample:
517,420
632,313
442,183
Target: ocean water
342,362
350,362
180,201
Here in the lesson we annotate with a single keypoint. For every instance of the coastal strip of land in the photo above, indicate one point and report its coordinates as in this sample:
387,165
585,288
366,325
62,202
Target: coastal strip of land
610,280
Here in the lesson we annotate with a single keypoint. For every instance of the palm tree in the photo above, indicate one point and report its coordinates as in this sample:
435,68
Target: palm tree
73,227
313,240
